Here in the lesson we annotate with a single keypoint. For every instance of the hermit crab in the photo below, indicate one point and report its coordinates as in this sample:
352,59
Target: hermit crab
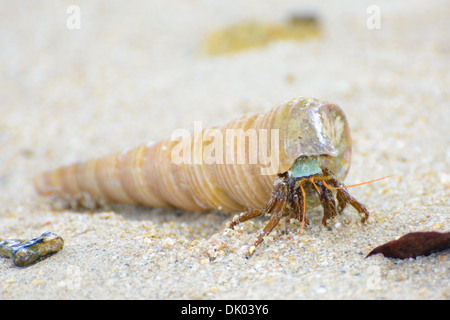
279,163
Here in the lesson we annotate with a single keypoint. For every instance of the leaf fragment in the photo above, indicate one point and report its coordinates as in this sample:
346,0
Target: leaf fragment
414,244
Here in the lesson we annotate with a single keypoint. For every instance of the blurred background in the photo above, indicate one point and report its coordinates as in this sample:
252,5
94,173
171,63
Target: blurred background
81,79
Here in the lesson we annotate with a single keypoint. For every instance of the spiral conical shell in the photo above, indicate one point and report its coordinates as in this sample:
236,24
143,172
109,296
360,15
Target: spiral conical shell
148,175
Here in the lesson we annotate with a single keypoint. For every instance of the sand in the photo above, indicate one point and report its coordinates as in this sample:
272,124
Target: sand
134,72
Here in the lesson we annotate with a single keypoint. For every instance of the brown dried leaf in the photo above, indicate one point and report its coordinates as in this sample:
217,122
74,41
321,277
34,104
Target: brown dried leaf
414,244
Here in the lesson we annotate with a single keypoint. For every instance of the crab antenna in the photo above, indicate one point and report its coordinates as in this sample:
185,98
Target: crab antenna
355,185
315,185
304,209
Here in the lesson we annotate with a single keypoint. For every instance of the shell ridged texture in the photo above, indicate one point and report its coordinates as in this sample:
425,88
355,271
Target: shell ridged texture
147,175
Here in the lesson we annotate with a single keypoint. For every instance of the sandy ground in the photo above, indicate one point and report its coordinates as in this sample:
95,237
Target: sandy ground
135,71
